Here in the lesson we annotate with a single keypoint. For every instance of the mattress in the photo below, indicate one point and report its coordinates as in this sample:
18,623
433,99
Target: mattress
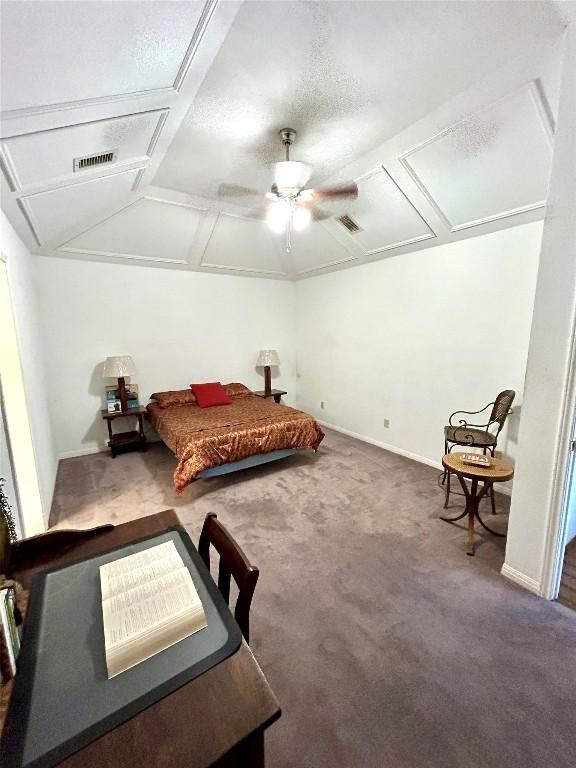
202,438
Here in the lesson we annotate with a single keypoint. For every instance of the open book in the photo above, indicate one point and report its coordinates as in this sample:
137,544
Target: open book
149,602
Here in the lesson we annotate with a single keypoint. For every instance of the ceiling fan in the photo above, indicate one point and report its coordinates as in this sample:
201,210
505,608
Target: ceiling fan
291,206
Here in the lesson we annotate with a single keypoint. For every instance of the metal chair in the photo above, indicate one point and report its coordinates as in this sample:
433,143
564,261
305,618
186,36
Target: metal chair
484,436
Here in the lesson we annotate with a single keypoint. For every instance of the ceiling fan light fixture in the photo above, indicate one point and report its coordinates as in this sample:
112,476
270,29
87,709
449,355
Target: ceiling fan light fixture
301,218
277,217
291,174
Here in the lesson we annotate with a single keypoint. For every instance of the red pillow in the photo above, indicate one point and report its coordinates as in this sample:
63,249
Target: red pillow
211,394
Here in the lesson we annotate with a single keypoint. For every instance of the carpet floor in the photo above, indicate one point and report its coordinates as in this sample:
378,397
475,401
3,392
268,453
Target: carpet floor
386,645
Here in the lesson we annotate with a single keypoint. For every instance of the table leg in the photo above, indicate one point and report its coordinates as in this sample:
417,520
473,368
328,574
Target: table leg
277,398
143,446
447,489
249,754
109,423
473,497
256,748
472,509
454,519
488,487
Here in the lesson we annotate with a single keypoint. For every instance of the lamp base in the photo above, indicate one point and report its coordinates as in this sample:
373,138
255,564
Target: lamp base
267,380
122,393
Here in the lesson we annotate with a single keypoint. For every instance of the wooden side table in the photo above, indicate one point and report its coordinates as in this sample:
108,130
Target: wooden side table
498,472
275,393
125,441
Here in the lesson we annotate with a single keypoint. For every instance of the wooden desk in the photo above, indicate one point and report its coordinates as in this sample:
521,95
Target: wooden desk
498,472
218,719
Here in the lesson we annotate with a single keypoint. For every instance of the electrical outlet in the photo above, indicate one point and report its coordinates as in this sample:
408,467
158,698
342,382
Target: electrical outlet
386,423
322,404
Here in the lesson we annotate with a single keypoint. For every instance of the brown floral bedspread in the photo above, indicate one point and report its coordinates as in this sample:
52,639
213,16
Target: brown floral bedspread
208,437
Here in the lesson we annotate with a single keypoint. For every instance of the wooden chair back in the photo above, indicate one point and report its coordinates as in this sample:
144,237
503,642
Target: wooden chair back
233,563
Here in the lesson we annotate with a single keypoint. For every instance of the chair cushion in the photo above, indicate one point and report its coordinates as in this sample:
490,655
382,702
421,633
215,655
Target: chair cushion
462,435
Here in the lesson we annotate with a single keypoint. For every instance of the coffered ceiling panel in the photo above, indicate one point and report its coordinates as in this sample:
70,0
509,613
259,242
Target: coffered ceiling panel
243,245
386,217
148,229
345,75
47,156
492,164
315,249
56,52
57,210
409,98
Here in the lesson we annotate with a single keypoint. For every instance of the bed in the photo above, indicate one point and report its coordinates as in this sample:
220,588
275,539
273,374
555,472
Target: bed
250,430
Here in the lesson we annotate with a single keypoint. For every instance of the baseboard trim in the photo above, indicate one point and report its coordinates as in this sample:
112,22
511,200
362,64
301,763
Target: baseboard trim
81,452
93,449
527,582
385,446
400,451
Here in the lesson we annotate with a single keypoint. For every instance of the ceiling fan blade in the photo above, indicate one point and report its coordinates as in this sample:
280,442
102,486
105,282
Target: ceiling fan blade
235,190
318,214
344,191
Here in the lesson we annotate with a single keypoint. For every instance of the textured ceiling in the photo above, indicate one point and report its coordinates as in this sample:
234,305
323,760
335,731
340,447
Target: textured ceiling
442,111
346,75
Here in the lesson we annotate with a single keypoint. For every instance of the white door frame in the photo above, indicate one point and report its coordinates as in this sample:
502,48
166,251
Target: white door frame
17,415
557,522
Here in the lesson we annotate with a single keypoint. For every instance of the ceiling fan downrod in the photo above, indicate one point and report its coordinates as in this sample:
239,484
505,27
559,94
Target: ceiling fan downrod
288,135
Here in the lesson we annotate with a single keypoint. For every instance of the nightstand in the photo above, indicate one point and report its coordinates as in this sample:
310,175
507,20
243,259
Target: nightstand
275,393
125,441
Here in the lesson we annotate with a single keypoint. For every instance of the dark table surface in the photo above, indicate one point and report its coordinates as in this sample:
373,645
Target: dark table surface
196,725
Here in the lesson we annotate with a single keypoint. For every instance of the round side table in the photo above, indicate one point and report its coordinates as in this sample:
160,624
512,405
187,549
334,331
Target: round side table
498,472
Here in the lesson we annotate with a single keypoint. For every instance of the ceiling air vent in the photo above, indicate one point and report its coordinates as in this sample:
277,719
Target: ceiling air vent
349,223
92,161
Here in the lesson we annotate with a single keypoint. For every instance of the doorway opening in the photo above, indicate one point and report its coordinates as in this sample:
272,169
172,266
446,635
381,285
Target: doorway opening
567,589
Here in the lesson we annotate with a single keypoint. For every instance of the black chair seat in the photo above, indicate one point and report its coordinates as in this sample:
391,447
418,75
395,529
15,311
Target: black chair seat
475,438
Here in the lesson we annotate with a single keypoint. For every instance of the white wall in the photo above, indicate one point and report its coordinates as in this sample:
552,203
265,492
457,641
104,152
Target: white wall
179,327
414,337
534,549
20,267
410,338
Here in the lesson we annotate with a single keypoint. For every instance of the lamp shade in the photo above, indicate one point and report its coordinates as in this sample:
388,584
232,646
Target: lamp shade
118,367
268,357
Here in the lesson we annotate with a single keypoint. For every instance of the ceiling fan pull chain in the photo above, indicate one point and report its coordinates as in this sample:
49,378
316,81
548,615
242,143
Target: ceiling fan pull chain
289,234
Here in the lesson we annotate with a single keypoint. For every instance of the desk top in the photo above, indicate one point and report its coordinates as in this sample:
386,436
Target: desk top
498,472
204,718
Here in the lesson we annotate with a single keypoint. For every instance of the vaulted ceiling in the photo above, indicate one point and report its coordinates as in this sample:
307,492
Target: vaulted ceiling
443,112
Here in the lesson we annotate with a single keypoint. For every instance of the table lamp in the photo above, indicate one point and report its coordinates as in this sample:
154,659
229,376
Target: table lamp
117,368
266,358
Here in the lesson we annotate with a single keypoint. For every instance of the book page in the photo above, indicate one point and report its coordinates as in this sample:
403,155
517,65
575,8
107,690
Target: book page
139,610
149,602
159,559
114,583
